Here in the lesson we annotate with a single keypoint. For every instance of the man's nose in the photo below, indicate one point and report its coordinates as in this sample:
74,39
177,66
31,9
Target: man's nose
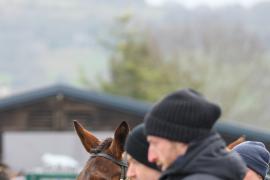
151,155
131,171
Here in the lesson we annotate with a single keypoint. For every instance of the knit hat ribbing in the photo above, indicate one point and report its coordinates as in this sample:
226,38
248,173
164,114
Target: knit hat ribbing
182,116
137,146
255,155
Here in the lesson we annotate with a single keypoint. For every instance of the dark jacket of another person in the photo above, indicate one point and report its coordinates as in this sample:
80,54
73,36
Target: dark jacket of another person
206,159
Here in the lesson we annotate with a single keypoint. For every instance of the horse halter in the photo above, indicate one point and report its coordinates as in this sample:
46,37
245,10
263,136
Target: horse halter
122,163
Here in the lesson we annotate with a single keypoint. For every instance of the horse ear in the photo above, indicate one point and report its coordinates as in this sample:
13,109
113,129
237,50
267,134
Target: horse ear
88,140
120,135
236,142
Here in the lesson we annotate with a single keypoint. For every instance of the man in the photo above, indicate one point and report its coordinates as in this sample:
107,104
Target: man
3,176
4,171
182,142
139,167
256,157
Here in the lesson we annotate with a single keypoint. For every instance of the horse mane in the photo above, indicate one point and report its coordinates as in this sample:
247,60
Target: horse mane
103,146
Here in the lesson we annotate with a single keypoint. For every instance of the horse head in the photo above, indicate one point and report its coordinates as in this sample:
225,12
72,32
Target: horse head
105,162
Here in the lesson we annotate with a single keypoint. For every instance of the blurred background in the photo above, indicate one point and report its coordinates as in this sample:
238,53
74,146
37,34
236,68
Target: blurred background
131,53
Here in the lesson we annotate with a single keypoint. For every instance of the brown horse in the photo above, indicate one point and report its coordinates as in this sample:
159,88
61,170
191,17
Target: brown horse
105,162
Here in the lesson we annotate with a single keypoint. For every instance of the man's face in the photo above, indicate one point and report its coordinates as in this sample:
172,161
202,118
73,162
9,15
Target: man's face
164,152
138,171
251,175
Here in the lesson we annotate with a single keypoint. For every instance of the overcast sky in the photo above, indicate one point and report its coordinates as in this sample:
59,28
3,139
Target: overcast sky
211,3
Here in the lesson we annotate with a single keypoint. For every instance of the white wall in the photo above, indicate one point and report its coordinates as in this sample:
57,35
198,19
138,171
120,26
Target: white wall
23,150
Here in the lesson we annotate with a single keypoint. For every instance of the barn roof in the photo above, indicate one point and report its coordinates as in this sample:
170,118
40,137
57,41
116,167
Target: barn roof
138,108
103,99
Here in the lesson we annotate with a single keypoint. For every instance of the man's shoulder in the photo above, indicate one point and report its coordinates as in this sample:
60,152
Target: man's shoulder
201,177
194,177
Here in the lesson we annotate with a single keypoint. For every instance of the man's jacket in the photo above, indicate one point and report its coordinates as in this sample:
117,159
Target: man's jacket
206,159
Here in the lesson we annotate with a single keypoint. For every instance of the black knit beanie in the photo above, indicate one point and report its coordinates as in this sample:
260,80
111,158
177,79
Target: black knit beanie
137,146
183,116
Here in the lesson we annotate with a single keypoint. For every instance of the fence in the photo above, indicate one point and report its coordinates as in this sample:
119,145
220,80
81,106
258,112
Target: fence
55,176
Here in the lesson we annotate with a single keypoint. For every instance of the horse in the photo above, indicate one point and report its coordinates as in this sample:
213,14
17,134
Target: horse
106,160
